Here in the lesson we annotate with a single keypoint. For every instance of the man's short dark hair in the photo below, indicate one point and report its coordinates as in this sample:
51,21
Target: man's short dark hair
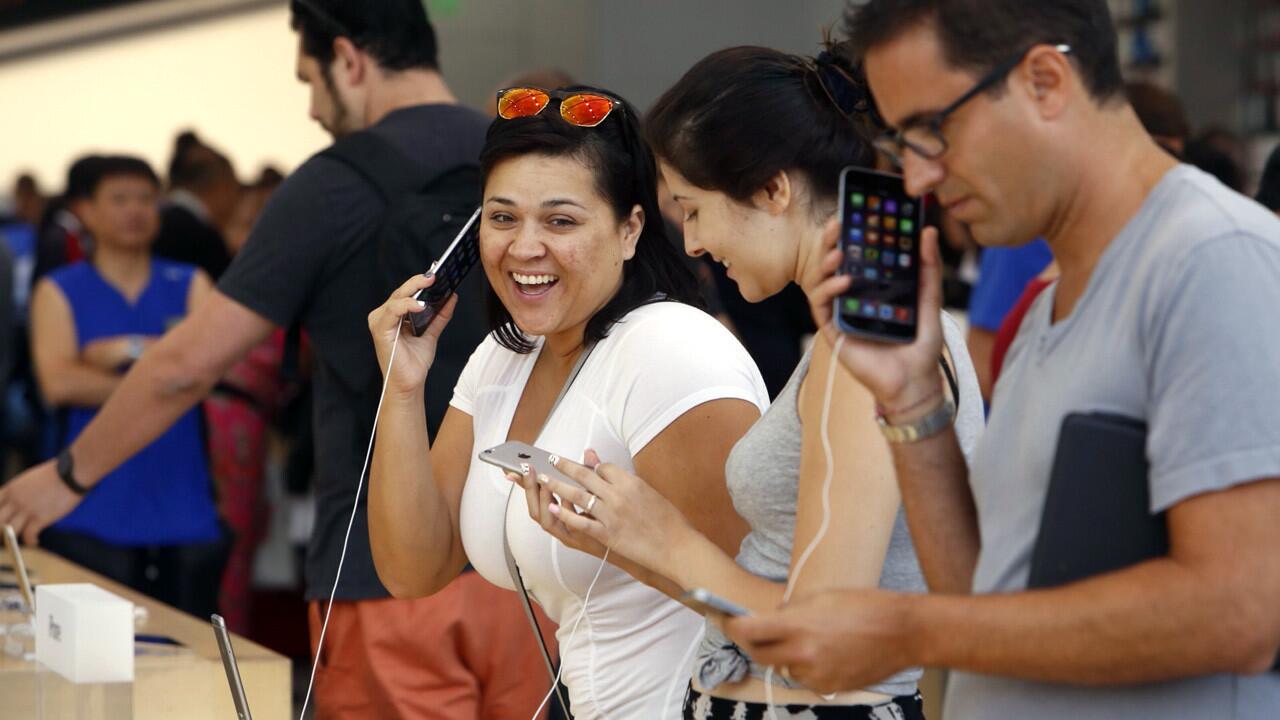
978,35
1159,110
397,33
82,177
113,166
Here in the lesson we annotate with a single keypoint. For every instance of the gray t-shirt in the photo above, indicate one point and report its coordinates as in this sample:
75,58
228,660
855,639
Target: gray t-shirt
1171,330
763,476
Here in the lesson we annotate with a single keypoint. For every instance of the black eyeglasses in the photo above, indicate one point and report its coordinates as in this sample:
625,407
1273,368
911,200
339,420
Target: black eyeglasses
924,137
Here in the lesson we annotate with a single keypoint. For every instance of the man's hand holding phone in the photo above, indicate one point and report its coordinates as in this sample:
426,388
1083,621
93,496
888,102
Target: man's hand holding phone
903,377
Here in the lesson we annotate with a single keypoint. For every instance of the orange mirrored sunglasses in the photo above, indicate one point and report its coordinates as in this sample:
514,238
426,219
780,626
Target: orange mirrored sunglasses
581,109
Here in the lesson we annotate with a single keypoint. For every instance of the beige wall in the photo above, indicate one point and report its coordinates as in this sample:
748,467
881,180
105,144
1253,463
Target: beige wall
231,79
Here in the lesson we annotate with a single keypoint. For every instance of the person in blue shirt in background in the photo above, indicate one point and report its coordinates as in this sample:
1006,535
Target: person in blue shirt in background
151,524
1003,274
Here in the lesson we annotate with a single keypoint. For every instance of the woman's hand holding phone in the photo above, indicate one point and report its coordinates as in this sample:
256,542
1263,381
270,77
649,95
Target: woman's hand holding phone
627,514
415,354
900,376
539,496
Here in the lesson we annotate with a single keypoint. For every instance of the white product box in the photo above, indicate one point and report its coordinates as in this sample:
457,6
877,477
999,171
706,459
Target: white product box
84,633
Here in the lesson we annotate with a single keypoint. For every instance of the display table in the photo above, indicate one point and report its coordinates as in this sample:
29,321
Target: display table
183,682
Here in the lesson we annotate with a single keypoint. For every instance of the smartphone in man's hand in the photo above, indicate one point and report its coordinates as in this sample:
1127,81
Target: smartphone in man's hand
880,228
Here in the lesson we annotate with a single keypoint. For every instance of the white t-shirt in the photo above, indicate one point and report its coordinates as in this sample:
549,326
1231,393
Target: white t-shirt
634,648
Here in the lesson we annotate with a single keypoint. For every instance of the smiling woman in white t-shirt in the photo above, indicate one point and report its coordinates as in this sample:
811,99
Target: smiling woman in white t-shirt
573,247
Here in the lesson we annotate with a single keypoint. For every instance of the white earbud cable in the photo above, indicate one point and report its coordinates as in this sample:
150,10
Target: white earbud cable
826,507
573,632
315,662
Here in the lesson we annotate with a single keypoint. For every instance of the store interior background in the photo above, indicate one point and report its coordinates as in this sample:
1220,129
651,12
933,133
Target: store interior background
130,76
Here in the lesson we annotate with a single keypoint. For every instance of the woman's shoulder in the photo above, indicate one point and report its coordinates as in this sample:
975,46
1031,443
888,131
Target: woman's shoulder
662,324
679,346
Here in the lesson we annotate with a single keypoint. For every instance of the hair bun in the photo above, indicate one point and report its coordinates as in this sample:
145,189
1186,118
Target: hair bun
839,78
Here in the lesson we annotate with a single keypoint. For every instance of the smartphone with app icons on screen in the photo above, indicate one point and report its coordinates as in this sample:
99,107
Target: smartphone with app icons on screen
880,227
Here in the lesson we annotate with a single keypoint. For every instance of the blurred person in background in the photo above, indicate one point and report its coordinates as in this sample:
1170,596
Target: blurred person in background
8,330
28,202
1210,157
63,237
1160,111
1269,186
1003,273
238,415
150,524
253,199
203,194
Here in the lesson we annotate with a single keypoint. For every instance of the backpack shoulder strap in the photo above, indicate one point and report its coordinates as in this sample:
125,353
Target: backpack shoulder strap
380,163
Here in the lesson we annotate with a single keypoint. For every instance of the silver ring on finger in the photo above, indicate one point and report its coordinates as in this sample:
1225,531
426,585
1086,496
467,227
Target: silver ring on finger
590,504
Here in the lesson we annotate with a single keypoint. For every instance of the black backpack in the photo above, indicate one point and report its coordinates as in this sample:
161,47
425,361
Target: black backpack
425,210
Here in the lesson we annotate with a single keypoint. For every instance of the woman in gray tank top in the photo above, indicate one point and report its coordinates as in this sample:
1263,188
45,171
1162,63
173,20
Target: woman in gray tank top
751,142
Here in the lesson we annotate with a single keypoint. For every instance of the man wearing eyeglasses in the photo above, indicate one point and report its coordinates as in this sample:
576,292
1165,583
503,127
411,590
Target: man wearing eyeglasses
1012,113
313,259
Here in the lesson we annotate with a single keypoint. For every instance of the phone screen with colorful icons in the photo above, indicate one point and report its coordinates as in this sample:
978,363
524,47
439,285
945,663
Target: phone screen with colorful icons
880,239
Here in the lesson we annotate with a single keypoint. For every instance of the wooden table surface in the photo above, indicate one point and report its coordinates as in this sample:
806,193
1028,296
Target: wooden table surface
181,683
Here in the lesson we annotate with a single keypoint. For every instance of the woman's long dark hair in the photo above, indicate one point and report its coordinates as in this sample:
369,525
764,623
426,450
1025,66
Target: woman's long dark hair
743,114
626,176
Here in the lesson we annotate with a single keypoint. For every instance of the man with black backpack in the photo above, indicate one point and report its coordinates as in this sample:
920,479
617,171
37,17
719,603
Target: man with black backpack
345,229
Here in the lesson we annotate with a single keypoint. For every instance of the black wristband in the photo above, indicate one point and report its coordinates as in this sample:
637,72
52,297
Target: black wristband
66,472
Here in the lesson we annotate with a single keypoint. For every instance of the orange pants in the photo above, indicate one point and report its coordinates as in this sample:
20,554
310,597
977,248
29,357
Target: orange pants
465,653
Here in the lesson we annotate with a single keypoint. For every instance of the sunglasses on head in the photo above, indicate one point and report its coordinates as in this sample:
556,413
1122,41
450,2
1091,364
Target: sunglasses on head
582,109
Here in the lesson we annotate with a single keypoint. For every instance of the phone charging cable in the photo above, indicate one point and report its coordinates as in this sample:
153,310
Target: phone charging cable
355,505
572,633
826,510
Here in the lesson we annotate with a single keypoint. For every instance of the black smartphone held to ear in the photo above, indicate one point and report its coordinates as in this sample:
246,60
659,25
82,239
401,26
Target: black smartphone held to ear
880,228
450,270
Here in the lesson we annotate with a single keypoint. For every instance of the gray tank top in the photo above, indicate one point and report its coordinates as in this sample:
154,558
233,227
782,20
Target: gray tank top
763,476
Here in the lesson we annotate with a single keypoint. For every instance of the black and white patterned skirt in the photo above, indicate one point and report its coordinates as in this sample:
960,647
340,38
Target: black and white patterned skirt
699,706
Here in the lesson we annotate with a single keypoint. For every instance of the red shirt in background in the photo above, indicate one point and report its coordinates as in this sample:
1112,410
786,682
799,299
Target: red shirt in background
1009,327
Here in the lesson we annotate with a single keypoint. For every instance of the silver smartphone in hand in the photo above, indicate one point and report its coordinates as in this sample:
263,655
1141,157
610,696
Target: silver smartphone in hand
709,603
520,458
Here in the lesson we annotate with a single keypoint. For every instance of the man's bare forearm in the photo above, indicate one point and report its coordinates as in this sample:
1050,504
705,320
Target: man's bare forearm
1153,622
941,514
